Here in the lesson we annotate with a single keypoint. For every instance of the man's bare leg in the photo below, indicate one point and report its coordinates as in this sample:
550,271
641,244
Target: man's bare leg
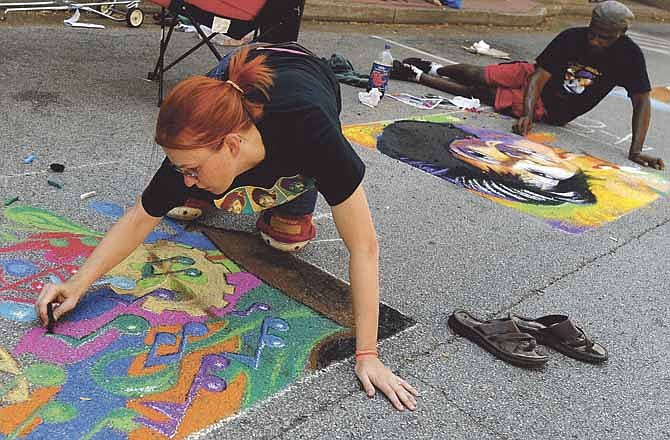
467,74
483,92
464,73
458,79
409,72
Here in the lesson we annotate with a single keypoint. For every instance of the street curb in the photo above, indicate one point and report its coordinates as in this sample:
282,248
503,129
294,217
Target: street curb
324,11
320,10
640,13
366,13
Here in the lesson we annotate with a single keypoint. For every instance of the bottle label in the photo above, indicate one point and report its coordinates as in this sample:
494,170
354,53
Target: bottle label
379,77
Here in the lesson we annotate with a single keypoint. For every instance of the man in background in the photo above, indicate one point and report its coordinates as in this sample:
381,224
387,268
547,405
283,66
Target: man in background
570,77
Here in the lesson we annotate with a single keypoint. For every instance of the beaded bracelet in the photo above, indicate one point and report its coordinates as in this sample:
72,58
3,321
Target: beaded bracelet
364,353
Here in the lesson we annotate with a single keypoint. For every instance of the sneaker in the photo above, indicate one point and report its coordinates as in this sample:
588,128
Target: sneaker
418,62
284,232
191,210
405,72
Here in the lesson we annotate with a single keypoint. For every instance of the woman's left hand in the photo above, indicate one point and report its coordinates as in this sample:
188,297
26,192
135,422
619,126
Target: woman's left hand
373,373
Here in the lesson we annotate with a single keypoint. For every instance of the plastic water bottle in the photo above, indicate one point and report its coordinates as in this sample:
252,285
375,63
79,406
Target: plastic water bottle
381,70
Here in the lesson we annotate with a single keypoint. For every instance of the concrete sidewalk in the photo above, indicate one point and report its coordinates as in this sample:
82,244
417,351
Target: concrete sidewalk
514,13
478,12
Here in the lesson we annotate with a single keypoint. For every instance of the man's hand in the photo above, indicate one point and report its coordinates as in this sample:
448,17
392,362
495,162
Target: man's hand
523,125
373,373
66,295
647,161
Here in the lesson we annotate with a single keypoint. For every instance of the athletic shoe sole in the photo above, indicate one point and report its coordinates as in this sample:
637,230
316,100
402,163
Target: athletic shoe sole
285,247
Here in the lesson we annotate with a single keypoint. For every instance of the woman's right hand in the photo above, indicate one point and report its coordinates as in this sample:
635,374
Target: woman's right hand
66,295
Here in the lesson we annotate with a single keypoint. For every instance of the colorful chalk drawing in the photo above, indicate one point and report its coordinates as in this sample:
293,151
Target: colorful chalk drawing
366,135
572,192
175,338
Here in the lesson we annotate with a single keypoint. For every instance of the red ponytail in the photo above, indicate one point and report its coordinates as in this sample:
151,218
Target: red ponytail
199,111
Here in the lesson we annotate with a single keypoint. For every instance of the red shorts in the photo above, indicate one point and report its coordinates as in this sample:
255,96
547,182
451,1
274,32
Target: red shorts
510,81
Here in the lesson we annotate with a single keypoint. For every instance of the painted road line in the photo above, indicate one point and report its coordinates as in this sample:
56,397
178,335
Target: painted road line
445,60
326,240
651,49
648,37
650,43
653,46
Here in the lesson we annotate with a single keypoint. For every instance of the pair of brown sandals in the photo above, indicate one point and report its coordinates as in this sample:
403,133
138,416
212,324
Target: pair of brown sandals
515,339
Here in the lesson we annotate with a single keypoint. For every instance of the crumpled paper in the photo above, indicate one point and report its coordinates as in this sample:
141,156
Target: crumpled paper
483,48
465,103
74,22
371,98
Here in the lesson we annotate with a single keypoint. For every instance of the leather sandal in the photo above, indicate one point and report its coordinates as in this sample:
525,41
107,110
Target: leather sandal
501,337
561,334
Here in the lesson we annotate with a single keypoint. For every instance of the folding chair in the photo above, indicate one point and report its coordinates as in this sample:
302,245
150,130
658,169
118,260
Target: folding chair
272,21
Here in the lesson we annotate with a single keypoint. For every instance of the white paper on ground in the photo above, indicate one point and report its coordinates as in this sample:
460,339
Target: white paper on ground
181,27
466,103
481,45
415,101
225,40
74,22
371,98
483,48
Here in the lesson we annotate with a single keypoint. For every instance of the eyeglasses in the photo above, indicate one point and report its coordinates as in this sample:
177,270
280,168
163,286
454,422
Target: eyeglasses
193,172
188,172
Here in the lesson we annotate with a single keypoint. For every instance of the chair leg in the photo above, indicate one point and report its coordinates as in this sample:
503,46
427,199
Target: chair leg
159,69
207,40
161,61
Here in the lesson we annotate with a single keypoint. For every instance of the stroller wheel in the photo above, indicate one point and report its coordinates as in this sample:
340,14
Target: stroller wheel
135,17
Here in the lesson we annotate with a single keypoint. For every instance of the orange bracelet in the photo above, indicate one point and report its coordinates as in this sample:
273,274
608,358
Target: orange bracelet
364,353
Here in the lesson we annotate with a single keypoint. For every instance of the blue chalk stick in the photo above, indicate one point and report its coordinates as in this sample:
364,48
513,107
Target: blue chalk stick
29,159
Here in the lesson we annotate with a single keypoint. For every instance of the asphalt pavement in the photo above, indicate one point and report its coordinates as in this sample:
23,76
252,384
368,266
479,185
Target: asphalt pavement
79,97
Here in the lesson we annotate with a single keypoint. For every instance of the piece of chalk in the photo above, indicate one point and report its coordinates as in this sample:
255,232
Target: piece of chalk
87,195
52,319
54,184
57,167
29,159
12,200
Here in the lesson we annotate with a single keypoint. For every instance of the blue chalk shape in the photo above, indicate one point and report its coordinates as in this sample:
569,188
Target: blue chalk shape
19,267
17,312
122,283
29,159
107,209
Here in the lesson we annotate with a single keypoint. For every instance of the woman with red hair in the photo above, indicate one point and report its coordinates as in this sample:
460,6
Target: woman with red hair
264,115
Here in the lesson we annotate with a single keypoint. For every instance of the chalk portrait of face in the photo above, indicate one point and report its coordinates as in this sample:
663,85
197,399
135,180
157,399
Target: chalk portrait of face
263,198
233,202
578,78
507,167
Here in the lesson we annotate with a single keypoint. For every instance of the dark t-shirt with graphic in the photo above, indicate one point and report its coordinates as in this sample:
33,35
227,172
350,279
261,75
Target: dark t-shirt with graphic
580,78
304,146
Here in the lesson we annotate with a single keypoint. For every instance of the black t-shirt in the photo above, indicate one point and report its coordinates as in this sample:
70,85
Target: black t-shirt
304,146
580,78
